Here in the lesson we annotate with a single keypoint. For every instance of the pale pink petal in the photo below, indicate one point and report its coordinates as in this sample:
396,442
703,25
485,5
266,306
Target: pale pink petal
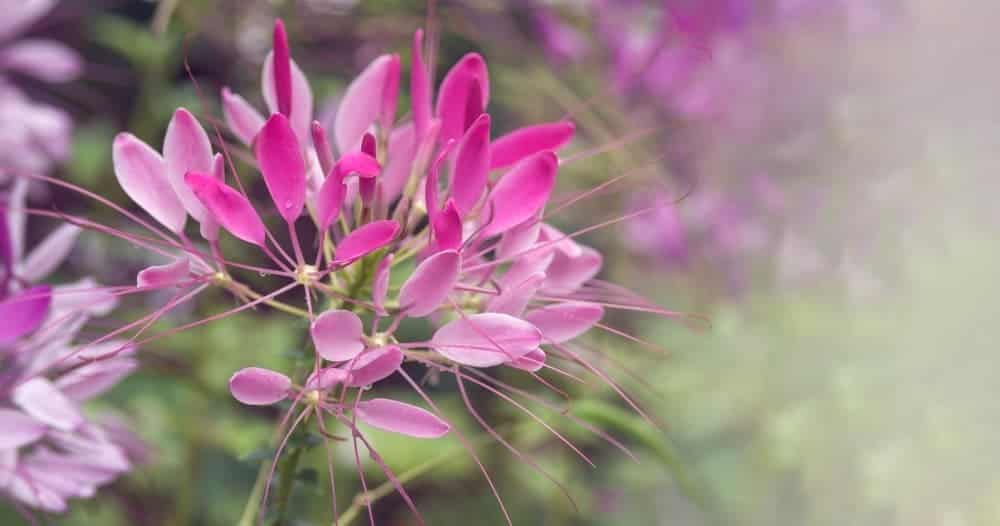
362,103
84,295
92,379
233,211
40,399
19,429
142,174
452,101
256,386
447,226
521,193
390,96
420,87
45,60
526,264
397,417
243,120
365,240
566,274
380,285
562,322
428,287
472,165
485,340
372,366
518,239
49,254
399,161
282,69
325,379
525,142
20,14
22,314
186,148
532,362
279,156
302,98
337,335
163,275
514,299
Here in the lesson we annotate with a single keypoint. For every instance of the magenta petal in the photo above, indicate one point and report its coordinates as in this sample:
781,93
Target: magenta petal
186,148
420,87
514,299
280,158
163,275
472,165
401,153
322,146
380,285
243,120
447,226
397,417
330,199
428,287
233,211
209,226
365,240
302,99
524,142
362,103
282,69
562,322
325,379
40,399
49,254
452,100
19,429
256,386
532,362
566,274
373,366
431,185
337,335
142,174
24,313
521,193
485,340
92,379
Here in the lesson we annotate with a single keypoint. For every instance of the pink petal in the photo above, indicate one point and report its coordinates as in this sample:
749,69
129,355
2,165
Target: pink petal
40,399
330,199
518,239
92,379
420,87
397,417
322,146
390,96
366,185
84,295
365,240
209,226
243,120
19,429
163,275
431,186
524,142
233,211
46,60
472,165
302,98
186,148
514,299
380,285
256,386
399,161
325,379
373,366
485,340
142,174
532,362
447,226
452,100
521,193
282,165
562,322
566,274
559,241
19,14
362,103
428,287
24,313
49,254
337,335
282,69
525,265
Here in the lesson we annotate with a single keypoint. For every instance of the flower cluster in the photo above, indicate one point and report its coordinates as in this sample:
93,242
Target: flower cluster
49,450
427,218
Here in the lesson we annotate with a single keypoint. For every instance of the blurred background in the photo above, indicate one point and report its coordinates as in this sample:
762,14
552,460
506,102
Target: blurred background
818,178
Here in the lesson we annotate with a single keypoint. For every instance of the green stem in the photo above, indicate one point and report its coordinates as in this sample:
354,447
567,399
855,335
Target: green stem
286,479
253,502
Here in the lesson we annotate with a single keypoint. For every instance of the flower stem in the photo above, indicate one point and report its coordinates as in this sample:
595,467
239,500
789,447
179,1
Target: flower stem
286,479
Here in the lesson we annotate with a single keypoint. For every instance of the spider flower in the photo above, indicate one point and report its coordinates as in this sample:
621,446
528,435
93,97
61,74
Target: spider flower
435,201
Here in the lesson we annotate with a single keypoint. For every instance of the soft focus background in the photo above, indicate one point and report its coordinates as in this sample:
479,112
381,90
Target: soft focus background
818,179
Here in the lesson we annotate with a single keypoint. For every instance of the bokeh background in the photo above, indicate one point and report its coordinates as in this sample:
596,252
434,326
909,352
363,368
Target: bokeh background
823,177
